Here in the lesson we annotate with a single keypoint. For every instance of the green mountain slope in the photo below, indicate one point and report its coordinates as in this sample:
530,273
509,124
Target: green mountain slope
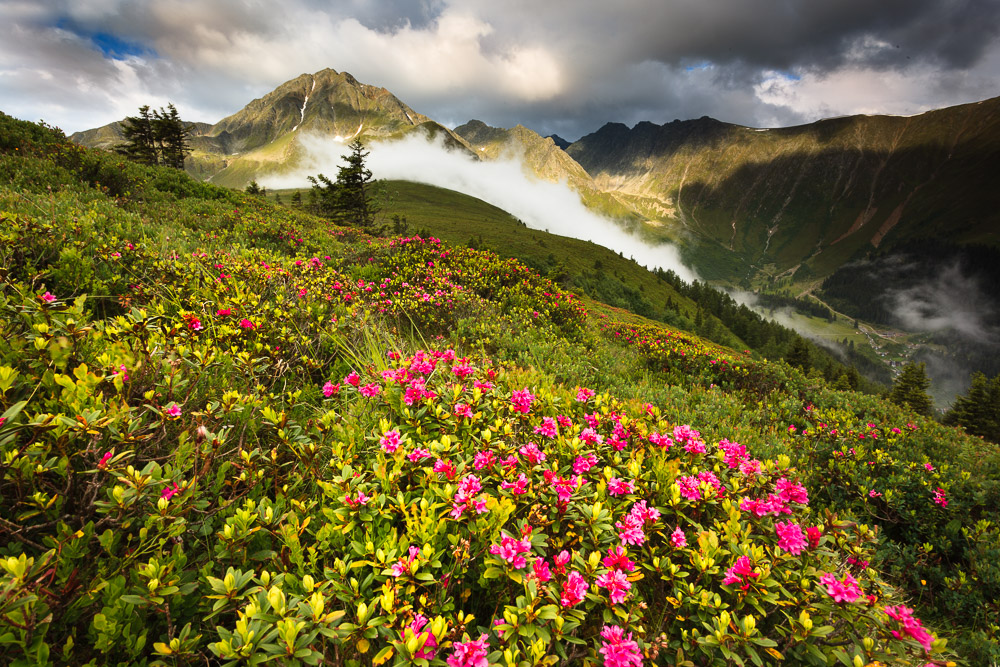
804,200
540,157
263,137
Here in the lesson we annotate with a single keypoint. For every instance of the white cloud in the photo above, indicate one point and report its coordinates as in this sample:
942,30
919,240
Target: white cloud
553,66
552,207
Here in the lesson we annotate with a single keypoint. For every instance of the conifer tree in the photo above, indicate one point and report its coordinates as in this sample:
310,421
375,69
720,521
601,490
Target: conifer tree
172,137
798,355
140,137
978,411
156,137
351,199
910,389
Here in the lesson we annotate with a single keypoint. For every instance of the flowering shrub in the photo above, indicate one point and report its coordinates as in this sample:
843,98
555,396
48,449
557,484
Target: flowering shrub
233,455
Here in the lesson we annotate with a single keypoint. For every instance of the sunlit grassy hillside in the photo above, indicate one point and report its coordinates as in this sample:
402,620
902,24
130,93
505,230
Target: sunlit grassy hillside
233,434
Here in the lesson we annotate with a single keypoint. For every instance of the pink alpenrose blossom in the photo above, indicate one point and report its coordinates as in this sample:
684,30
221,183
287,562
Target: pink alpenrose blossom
470,654
573,590
841,590
790,537
619,649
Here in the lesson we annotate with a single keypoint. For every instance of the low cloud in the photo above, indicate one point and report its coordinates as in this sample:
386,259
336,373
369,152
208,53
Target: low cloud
552,207
951,301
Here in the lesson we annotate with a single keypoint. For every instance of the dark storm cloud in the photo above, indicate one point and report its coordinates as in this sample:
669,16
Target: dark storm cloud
556,66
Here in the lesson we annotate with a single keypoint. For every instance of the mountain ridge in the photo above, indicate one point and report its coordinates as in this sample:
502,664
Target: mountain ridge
750,207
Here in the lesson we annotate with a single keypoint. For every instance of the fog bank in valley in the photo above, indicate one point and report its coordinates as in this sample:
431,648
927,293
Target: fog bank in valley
552,207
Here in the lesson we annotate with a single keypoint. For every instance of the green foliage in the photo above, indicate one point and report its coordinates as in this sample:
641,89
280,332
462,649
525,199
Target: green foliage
978,411
199,459
350,200
157,138
910,389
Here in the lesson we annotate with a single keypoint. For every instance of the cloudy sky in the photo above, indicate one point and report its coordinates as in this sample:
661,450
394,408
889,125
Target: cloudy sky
563,66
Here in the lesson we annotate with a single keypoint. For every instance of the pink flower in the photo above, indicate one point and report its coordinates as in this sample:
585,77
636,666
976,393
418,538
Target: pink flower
518,486
664,442
678,539
446,467
573,590
735,453
689,487
792,492
463,410
329,389
643,513
618,487
247,324
470,654
48,297
560,560
521,401
617,584
402,566
617,559
841,590
564,487
390,441
464,497
417,454
102,464
584,463
531,452
371,389
740,573
939,497
462,370
352,379
510,550
548,428
590,436
929,467
173,411
874,494
362,499
790,537
911,626
486,459
583,394
168,492
814,534
541,570
619,649
630,530
427,651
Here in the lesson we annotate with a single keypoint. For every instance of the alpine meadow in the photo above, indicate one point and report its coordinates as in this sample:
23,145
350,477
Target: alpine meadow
332,382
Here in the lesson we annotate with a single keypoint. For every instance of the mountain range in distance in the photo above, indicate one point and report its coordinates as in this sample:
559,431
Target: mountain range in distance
748,207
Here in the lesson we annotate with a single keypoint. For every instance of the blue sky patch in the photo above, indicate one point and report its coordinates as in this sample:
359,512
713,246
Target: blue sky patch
111,45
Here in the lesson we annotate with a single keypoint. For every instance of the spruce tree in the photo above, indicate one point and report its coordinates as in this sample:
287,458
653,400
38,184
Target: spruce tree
140,138
155,137
351,199
910,389
978,411
172,137
798,354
